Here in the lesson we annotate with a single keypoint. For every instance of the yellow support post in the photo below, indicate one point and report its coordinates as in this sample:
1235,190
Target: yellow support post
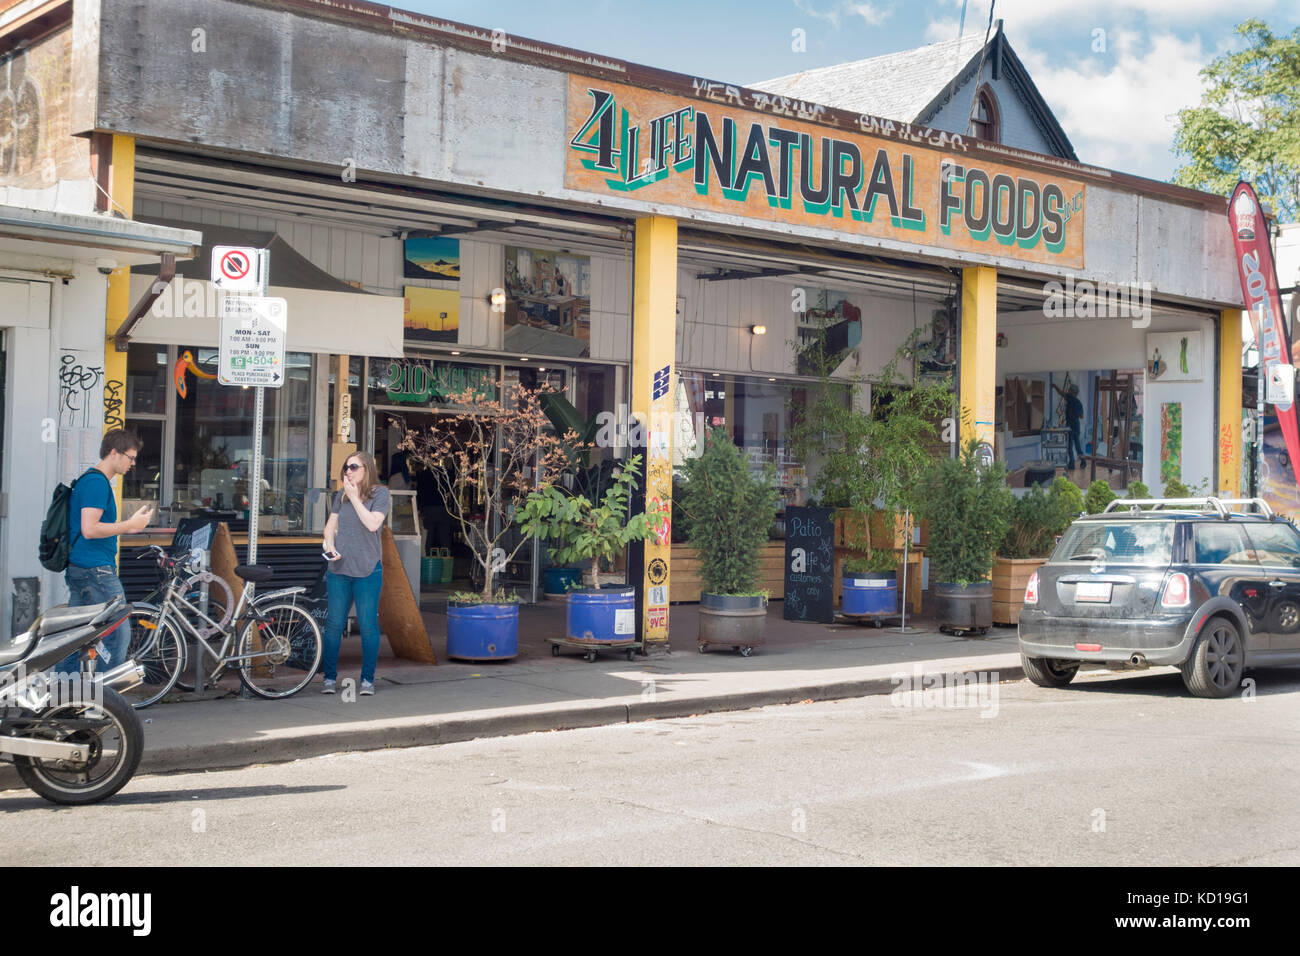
1229,438
654,349
121,191
979,330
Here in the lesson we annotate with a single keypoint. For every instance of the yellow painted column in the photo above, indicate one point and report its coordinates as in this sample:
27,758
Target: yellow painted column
121,190
654,348
979,334
1229,438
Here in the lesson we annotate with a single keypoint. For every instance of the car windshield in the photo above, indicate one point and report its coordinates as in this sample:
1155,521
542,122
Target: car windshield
1117,542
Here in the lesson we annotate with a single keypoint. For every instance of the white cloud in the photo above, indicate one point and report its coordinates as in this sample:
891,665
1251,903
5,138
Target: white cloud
870,12
1119,108
1026,12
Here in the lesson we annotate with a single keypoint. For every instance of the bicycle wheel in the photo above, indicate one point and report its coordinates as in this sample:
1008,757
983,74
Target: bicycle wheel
284,649
159,650
216,610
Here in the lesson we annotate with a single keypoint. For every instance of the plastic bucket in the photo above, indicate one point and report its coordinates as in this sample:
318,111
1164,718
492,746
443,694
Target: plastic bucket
560,580
430,571
447,564
604,615
870,593
482,632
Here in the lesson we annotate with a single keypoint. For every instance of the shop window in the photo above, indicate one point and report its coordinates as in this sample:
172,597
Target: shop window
214,444
756,413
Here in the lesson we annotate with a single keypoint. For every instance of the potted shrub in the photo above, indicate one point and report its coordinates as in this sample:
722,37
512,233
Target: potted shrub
870,586
1098,496
511,429
592,533
871,457
968,509
730,509
1037,519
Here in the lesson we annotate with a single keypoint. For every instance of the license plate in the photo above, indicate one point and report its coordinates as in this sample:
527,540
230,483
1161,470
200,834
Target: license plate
1093,592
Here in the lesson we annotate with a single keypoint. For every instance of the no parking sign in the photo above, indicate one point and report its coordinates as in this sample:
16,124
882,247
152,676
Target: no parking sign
238,268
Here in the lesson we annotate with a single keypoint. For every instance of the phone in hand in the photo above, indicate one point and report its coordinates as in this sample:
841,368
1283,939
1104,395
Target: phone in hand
331,555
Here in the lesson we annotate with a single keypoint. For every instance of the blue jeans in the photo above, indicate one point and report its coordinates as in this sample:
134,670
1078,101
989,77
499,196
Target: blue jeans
95,586
341,591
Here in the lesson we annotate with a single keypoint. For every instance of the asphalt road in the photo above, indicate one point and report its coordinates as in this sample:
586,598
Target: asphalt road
1118,769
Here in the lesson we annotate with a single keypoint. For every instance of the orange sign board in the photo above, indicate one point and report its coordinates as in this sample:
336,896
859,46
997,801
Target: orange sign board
661,148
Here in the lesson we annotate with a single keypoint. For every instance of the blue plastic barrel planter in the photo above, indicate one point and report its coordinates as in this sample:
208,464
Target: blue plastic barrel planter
870,593
558,581
605,615
482,632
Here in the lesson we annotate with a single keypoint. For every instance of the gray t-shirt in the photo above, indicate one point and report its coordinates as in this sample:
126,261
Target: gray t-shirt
360,549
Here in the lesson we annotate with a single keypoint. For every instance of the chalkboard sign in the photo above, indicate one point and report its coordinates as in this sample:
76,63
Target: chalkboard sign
810,564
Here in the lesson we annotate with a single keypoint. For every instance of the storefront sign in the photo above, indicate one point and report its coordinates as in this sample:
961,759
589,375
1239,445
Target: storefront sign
726,159
810,564
1258,274
425,382
253,331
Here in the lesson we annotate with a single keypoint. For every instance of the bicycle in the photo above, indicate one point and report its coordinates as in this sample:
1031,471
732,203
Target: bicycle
278,649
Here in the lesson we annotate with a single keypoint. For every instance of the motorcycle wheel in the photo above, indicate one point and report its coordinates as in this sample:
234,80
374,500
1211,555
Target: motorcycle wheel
116,746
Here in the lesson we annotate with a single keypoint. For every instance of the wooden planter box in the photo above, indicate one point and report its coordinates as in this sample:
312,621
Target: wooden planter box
849,532
1010,576
684,584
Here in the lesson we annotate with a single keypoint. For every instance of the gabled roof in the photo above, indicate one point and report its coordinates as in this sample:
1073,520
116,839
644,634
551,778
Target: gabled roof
913,85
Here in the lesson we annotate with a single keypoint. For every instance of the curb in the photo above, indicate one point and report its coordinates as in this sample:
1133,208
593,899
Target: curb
243,753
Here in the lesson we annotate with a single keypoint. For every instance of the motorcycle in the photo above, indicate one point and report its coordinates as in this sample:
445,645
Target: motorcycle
73,738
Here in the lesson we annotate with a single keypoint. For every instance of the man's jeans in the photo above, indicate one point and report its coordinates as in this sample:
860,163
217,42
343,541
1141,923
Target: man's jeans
95,586
341,591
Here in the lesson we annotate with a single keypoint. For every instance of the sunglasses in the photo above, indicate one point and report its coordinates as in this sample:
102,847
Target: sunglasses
352,466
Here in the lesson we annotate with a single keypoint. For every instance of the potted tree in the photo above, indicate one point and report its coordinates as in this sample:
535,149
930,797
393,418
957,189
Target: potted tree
487,456
968,508
592,533
1037,519
871,456
730,509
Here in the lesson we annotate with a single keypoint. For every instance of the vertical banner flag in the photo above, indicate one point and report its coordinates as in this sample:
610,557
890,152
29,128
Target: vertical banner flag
1258,274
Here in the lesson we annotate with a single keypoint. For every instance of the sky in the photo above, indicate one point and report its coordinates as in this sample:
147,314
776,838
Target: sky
1115,74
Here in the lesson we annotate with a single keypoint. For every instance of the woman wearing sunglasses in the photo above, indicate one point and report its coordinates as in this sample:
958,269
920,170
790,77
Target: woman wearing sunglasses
354,550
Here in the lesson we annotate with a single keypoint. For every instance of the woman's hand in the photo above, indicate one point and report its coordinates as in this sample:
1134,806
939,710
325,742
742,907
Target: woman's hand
350,487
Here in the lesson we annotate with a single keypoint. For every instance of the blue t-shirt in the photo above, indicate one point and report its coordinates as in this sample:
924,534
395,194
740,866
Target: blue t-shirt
92,490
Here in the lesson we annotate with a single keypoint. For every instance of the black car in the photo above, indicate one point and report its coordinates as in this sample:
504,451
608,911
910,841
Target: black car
1182,582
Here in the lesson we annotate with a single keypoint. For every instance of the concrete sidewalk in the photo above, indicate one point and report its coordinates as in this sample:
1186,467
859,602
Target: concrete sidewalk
421,704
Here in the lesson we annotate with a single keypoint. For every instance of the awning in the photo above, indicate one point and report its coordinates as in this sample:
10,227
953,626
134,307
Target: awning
350,323
326,314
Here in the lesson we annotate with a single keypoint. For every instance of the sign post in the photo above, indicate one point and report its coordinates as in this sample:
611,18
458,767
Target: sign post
253,331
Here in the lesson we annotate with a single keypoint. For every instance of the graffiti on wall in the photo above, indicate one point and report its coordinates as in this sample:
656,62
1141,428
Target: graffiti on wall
113,390
36,146
79,384
25,606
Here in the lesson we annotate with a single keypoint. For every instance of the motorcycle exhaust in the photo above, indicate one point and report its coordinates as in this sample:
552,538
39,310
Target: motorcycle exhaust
122,677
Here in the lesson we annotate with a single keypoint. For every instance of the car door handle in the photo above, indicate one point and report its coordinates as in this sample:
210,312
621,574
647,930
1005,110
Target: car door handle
1277,584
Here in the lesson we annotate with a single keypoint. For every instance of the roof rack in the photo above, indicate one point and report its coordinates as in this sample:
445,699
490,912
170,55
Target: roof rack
1218,505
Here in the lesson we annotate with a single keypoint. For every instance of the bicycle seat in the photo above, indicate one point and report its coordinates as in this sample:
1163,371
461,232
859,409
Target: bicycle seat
256,573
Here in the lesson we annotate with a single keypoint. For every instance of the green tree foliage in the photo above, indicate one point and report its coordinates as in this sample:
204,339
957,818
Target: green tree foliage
1247,125
969,511
1098,497
729,508
869,457
588,531
1038,518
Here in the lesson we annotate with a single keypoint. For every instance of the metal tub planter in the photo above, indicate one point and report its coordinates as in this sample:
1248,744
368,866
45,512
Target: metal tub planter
482,632
738,621
599,619
963,609
871,594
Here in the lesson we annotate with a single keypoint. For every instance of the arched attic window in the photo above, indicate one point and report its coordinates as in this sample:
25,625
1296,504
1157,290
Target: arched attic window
986,123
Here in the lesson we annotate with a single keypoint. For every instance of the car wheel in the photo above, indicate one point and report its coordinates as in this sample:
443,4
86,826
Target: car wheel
1218,658
1286,619
1048,671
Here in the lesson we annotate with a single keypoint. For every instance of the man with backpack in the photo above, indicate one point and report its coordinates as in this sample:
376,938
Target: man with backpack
93,530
